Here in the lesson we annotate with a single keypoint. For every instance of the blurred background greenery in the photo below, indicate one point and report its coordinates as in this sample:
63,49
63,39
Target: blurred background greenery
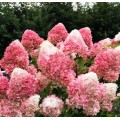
15,18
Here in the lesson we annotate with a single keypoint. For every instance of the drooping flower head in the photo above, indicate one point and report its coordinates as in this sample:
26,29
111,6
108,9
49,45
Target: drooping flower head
31,40
21,86
74,43
15,55
51,106
87,36
107,65
57,34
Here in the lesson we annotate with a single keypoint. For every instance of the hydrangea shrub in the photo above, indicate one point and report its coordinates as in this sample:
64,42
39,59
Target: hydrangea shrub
65,75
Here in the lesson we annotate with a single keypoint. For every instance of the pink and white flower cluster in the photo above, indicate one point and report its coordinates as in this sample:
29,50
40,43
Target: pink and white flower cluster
31,40
51,106
87,93
18,96
57,34
37,66
87,36
107,65
15,56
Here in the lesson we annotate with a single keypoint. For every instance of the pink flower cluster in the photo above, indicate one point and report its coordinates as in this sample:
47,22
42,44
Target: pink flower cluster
108,96
107,65
30,106
15,56
9,108
65,60
56,67
74,43
51,106
87,36
21,85
17,96
86,92
57,34
31,40
97,48
26,108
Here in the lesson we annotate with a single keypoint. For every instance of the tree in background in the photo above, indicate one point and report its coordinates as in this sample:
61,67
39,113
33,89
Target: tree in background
15,18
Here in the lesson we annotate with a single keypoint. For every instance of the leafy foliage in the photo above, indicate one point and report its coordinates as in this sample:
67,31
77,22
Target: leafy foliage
41,17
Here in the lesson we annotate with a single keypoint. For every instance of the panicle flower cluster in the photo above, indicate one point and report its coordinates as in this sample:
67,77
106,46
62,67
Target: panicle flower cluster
84,93
56,66
15,55
74,43
51,106
18,72
108,96
57,34
100,46
26,108
30,106
21,86
87,36
107,65
31,40
66,77
48,48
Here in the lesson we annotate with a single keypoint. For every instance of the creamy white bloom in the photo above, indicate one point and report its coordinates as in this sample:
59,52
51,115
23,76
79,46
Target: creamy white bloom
111,88
18,72
51,106
48,48
76,35
89,77
34,100
51,103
